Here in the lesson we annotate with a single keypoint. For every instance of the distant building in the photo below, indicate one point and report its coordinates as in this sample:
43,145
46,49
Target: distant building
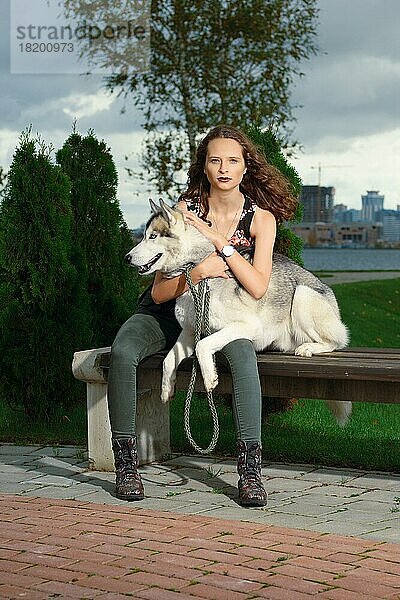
359,235
342,214
338,211
390,225
318,203
372,203
353,215
330,235
316,234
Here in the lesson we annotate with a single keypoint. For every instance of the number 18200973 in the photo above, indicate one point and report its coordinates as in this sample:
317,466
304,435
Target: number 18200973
46,47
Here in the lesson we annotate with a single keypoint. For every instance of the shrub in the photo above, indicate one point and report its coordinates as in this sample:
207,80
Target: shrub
44,309
100,233
287,242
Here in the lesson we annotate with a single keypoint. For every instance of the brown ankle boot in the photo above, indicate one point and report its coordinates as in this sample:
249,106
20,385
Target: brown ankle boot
251,489
129,485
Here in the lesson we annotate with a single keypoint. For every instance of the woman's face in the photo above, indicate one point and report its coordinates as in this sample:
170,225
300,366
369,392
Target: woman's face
225,164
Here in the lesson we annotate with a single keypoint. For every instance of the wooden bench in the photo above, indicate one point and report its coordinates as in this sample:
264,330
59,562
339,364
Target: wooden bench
355,374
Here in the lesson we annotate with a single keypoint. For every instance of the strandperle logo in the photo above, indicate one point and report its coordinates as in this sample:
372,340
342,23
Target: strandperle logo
81,32
48,36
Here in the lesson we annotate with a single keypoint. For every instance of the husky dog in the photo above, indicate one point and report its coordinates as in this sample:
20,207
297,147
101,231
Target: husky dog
298,313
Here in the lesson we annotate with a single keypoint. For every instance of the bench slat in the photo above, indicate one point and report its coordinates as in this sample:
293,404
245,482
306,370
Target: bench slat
382,366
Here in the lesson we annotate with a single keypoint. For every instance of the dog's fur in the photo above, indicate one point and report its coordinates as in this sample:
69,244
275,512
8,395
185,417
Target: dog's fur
298,313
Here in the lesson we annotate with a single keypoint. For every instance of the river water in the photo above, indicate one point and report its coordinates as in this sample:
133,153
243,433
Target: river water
357,259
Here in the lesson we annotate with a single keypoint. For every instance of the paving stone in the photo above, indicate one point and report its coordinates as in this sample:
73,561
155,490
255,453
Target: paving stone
19,488
287,471
199,462
95,476
284,519
22,476
380,481
279,484
385,535
372,506
13,450
358,516
347,528
327,475
378,496
54,480
99,496
305,509
342,491
322,499
50,491
11,468
60,451
52,464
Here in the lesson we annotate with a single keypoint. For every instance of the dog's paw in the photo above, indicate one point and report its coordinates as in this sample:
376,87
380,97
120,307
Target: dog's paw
167,391
304,350
210,380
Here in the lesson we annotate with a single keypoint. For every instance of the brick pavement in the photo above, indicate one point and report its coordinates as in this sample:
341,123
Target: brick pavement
51,548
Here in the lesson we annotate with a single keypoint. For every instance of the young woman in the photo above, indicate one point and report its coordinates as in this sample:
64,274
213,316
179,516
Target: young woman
234,198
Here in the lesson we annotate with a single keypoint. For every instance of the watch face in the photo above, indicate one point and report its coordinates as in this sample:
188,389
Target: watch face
228,250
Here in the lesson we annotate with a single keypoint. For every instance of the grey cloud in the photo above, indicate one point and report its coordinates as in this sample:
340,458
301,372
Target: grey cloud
360,27
354,88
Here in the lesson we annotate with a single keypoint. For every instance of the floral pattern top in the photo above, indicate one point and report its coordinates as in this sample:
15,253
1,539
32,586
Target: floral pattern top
241,238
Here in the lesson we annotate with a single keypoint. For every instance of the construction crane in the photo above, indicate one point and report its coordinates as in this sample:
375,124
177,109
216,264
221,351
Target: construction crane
320,167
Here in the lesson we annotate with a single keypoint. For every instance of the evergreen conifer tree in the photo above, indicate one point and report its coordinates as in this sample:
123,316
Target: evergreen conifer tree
43,300
287,242
100,233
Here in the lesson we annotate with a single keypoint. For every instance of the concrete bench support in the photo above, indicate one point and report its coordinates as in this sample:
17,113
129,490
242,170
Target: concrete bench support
152,418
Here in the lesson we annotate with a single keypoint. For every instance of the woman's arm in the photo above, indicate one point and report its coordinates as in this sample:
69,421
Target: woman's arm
253,277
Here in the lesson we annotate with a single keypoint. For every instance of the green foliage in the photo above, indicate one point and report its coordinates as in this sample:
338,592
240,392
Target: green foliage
100,234
287,242
44,312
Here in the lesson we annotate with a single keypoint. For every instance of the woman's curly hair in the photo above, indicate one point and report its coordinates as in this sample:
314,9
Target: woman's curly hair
262,182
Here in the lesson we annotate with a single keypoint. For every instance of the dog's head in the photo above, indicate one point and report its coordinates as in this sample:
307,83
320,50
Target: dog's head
160,241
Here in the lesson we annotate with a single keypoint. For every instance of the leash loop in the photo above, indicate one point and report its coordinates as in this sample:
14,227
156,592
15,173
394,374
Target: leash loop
201,299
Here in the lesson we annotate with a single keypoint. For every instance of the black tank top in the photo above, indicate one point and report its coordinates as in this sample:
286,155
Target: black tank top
240,239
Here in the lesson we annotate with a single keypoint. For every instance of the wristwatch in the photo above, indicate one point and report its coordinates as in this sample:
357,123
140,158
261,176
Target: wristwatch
227,251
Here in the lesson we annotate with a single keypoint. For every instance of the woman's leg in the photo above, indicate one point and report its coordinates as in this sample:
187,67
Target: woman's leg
138,337
242,360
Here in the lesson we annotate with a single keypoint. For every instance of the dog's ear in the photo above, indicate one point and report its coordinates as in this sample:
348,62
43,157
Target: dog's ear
167,212
154,208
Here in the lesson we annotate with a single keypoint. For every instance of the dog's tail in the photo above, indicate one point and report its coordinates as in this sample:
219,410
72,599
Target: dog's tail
341,410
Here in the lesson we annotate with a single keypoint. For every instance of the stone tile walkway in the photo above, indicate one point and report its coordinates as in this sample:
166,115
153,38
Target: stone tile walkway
351,277
334,533
327,500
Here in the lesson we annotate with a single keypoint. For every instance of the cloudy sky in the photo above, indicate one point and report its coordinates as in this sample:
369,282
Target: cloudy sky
348,121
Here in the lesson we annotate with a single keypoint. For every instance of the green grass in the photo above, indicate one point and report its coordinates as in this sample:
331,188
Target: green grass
66,427
306,434
371,309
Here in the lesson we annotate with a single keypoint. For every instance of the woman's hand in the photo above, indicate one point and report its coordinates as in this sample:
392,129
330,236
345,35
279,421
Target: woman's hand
209,232
212,266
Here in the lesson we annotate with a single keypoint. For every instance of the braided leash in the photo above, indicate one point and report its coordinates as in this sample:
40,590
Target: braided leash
201,299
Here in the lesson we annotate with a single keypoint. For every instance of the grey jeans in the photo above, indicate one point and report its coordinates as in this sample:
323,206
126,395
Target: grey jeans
139,337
